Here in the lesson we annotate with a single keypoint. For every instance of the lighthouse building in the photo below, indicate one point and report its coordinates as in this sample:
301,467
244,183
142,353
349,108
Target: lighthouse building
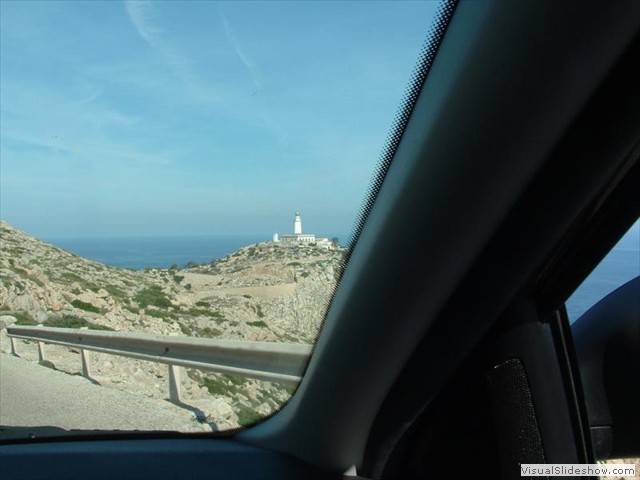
299,238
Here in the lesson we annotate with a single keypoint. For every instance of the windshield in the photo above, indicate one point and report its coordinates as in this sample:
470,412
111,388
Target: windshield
178,182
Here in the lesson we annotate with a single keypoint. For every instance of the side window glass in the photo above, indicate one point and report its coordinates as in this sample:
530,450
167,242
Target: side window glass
620,265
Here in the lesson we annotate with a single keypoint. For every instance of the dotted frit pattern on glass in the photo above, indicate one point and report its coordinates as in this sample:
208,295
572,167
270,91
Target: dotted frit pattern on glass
421,70
428,52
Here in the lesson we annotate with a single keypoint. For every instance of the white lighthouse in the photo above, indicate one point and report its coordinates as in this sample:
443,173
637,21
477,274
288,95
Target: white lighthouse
297,224
301,239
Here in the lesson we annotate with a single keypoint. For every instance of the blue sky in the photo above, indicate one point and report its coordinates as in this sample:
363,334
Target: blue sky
162,118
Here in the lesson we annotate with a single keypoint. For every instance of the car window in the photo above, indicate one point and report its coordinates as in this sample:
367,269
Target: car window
178,185
620,265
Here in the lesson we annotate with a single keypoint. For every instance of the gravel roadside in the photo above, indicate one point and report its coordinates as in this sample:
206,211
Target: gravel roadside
33,395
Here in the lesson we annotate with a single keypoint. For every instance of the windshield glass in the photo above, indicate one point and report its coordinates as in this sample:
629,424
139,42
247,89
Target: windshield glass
178,180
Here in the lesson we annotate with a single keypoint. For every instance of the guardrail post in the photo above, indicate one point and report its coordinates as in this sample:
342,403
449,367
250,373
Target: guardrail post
174,384
14,351
41,352
86,363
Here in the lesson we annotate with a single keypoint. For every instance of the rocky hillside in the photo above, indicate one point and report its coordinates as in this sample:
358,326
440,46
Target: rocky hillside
265,292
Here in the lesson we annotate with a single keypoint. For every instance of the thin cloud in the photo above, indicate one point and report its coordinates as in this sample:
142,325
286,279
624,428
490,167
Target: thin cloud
246,60
262,114
141,15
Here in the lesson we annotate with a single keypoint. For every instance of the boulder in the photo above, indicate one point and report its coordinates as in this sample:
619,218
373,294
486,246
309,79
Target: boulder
217,412
6,320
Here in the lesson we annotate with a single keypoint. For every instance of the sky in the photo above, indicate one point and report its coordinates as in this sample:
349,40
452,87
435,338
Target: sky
197,118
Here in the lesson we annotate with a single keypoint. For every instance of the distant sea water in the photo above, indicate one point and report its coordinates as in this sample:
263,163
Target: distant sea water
155,252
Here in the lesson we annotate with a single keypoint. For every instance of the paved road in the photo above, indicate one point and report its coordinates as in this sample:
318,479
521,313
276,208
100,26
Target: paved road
33,395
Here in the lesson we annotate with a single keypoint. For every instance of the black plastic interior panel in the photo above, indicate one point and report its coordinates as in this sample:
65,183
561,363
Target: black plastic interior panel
153,459
505,406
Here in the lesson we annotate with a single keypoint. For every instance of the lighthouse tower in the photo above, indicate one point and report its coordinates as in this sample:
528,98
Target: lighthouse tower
297,224
299,239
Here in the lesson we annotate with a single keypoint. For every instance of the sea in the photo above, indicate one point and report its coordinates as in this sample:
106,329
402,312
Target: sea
138,253
619,266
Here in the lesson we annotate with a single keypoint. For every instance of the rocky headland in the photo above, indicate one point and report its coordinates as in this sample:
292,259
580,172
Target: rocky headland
265,292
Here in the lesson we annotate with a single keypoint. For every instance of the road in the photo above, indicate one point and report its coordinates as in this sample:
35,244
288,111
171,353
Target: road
34,395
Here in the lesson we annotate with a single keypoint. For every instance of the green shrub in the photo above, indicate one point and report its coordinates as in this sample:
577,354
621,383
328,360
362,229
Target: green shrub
194,331
72,277
196,312
156,313
258,323
7,283
23,273
115,292
85,306
290,389
23,318
214,386
187,286
71,321
95,326
202,304
234,380
247,416
202,312
259,311
178,278
185,329
224,384
152,296
209,332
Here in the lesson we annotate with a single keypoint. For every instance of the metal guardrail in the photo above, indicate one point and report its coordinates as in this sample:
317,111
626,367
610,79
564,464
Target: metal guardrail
276,362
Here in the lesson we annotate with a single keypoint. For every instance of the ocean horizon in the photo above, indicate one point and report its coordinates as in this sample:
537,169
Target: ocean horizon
140,252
